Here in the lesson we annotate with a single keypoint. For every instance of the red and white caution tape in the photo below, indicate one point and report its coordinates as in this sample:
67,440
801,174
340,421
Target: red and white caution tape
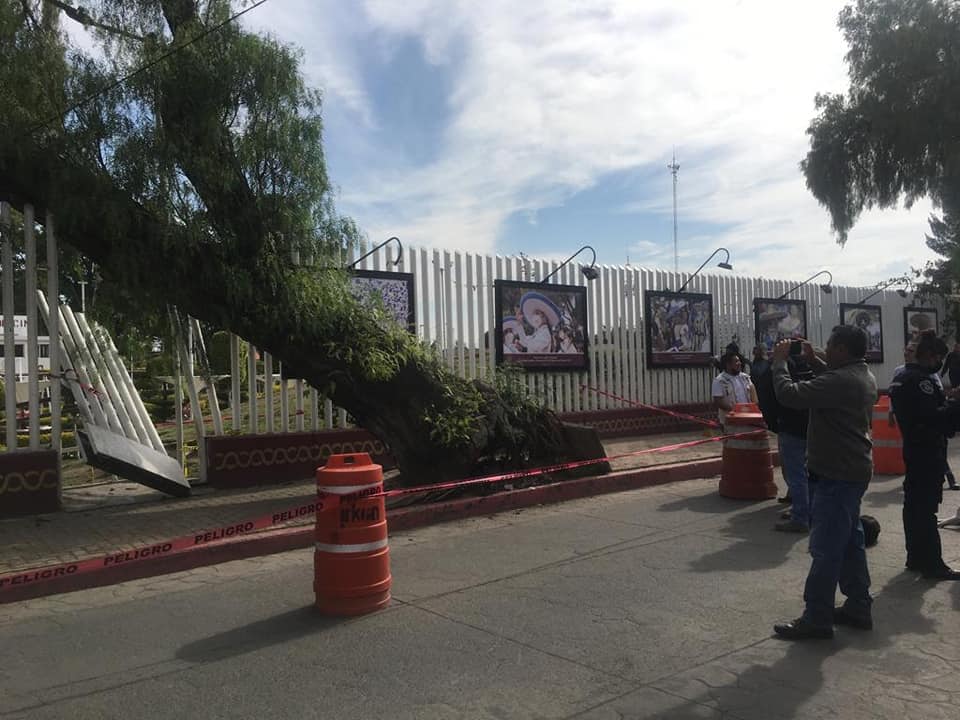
655,408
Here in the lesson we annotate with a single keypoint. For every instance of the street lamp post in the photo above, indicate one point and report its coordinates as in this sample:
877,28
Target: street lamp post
590,272
825,287
725,264
385,242
900,291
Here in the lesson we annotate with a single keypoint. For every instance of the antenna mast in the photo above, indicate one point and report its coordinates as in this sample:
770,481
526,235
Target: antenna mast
674,169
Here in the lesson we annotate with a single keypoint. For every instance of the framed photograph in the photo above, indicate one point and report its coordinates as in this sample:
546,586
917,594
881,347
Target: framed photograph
541,327
393,289
679,328
916,320
778,319
869,319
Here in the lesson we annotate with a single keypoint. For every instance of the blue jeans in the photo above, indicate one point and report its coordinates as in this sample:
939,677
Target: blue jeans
837,549
793,461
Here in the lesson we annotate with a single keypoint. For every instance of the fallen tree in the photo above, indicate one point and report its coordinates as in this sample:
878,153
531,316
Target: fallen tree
198,180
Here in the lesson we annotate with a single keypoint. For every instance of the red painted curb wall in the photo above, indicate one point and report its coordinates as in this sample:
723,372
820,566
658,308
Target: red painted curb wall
400,519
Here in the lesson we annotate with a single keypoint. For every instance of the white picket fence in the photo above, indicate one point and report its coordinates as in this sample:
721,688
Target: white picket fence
454,309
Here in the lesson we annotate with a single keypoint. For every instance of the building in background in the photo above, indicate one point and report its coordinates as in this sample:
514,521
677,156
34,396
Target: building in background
20,348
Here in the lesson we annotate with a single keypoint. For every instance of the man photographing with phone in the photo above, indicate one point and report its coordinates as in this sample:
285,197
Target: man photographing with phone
840,399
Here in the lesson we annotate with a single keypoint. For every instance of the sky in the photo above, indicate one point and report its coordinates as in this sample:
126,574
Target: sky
540,126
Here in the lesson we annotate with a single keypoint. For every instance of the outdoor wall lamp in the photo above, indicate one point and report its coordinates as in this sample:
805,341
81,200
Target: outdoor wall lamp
826,287
725,264
900,291
589,272
388,240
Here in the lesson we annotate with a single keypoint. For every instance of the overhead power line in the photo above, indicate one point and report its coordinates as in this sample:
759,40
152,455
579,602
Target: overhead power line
146,66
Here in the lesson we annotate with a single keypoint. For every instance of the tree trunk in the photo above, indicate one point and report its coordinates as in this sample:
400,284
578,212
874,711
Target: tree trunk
407,411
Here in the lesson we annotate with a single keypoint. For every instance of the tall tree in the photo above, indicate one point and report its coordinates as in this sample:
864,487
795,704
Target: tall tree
896,133
197,180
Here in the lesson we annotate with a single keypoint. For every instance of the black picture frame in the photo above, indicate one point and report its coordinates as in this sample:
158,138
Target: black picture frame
870,319
912,325
775,319
564,310
671,339
395,288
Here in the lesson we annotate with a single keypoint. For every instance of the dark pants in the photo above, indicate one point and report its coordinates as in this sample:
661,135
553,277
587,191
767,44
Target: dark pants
837,549
922,493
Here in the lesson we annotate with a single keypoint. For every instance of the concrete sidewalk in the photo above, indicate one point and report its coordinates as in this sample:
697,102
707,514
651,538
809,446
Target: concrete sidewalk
654,603
105,518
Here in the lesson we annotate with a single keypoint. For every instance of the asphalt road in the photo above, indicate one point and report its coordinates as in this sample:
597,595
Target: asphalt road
656,603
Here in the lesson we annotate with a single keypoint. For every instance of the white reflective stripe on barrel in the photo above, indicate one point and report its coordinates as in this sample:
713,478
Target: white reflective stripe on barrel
346,489
888,443
359,547
756,440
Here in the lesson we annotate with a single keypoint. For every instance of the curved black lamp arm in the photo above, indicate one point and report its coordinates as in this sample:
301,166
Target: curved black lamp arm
881,289
391,239
822,272
724,263
585,247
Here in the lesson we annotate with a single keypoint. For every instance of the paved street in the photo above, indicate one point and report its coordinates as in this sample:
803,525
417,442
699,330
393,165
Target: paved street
656,603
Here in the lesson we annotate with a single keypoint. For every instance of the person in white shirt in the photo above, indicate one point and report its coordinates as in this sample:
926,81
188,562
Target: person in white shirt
731,387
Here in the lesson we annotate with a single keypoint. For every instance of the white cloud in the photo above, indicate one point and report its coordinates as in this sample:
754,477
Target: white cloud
332,37
551,96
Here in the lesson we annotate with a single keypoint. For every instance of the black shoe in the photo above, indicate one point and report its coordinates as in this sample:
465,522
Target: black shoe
942,573
913,567
800,629
842,616
785,500
954,487
791,526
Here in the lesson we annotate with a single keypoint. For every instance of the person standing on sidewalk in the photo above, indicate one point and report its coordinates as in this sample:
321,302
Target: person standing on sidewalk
840,399
951,366
731,387
790,425
909,356
926,419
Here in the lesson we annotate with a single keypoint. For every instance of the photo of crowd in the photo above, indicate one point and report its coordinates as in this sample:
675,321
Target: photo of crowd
393,290
779,319
679,329
541,326
916,320
867,318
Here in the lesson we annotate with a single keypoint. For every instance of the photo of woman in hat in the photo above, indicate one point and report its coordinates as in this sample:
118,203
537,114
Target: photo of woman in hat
543,316
547,328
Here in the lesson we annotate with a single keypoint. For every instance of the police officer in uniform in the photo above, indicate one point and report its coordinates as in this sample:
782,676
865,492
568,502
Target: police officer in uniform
926,419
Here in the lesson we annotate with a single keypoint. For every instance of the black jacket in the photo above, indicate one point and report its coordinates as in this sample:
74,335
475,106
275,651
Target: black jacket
780,418
926,418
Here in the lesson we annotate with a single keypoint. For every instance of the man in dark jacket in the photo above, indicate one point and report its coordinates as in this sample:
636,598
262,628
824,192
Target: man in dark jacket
790,425
926,419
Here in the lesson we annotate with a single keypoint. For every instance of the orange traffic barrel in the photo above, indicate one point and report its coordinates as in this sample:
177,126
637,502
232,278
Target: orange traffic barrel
887,440
747,465
351,560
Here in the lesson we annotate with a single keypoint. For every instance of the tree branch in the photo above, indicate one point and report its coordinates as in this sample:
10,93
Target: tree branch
80,15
